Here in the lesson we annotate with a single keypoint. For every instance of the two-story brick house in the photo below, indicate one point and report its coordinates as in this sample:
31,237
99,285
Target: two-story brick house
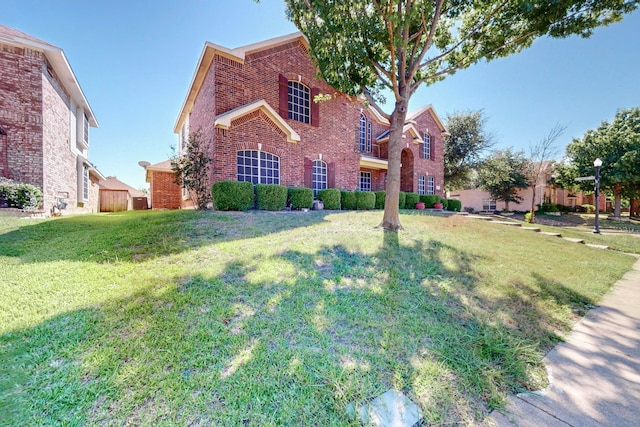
255,107
44,123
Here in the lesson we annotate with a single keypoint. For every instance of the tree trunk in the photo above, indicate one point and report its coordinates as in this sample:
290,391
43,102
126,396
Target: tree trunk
391,219
532,219
506,205
617,192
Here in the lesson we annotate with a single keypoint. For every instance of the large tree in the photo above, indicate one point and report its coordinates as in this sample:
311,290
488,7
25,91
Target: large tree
540,154
364,46
503,174
617,144
468,139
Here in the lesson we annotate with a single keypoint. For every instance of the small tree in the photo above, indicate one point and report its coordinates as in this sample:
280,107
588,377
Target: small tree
504,173
191,168
539,155
463,147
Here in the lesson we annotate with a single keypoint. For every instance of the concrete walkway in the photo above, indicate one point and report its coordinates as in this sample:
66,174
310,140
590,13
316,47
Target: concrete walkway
595,375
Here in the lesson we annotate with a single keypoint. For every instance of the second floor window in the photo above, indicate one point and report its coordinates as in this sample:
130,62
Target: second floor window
299,102
365,134
426,147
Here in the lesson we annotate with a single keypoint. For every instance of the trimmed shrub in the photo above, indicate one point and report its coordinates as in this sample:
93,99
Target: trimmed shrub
380,196
454,205
410,200
429,200
330,197
300,198
445,203
365,200
589,208
402,199
348,200
232,195
19,195
271,197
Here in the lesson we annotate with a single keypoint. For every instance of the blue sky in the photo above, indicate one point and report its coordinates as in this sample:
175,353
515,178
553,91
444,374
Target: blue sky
135,59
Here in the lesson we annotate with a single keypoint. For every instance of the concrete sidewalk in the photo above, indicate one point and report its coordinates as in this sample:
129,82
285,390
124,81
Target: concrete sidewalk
594,375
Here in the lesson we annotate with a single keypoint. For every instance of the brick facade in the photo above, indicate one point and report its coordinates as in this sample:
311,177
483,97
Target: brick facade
37,118
226,82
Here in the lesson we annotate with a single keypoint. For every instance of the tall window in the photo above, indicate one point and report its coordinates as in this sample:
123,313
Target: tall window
86,129
85,183
319,176
421,180
258,167
365,134
426,147
431,188
365,181
299,102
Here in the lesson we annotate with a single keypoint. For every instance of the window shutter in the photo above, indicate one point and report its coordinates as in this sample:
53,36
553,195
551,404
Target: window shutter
315,107
421,147
308,172
283,93
331,175
432,149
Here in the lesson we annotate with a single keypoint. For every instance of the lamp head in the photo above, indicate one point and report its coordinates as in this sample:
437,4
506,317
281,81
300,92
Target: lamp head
597,162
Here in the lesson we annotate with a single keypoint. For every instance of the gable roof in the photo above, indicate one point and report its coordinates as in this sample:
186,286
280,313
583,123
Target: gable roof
428,108
238,54
224,120
408,127
112,183
58,61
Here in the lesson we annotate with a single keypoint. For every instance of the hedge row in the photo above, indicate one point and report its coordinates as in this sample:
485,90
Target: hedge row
241,196
19,195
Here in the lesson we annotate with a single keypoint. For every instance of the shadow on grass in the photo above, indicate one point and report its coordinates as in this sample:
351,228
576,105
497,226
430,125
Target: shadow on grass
140,235
303,345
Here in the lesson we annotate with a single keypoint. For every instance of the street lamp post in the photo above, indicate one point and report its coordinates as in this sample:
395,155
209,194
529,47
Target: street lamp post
597,163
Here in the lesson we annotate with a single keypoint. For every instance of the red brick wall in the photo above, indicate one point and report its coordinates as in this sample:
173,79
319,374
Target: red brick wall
165,193
429,167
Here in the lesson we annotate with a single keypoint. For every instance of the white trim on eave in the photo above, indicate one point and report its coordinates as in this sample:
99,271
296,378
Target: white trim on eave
223,121
412,115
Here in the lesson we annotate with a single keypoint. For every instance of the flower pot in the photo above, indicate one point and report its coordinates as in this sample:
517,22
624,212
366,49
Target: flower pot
420,206
437,206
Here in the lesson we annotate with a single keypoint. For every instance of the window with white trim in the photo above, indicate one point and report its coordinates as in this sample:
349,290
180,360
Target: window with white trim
431,187
319,176
258,167
365,134
426,147
421,180
365,181
85,183
86,129
488,205
299,102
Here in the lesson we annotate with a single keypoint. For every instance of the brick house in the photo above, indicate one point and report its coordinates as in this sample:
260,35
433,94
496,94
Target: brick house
44,123
255,108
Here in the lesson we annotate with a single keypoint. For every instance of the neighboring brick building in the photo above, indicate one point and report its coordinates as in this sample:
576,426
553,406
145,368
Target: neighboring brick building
255,107
44,123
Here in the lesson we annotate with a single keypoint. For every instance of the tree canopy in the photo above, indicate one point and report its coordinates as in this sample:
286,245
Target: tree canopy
617,144
468,139
364,46
503,174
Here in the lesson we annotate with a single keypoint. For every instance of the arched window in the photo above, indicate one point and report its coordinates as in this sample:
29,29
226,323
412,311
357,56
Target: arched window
299,102
319,176
365,134
258,167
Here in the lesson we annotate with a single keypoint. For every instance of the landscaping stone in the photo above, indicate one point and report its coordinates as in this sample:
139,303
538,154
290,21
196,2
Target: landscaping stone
591,245
514,224
390,409
549,233
486,218
535,229
571,239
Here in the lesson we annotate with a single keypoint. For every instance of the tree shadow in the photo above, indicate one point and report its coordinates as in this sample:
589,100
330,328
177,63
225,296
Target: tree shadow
142,235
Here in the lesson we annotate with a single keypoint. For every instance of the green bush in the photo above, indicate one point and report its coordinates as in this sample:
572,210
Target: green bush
548,207
300,198
527,217
445,203
380,196
365,200
410,200
402,199
330,197
232,195
18,195
271,197
589,208
348,200
454,205
429,200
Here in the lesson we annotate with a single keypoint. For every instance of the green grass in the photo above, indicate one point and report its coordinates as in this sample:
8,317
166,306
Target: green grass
259,318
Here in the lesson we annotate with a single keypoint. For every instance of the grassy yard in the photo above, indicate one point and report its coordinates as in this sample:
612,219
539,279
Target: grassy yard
189,318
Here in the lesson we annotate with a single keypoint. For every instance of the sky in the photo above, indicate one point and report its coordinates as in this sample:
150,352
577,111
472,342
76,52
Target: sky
135,60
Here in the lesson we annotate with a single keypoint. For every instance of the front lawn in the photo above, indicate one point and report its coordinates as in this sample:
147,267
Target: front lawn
190,318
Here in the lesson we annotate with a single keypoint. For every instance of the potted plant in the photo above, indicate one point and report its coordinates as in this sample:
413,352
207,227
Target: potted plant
420,206
437,205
